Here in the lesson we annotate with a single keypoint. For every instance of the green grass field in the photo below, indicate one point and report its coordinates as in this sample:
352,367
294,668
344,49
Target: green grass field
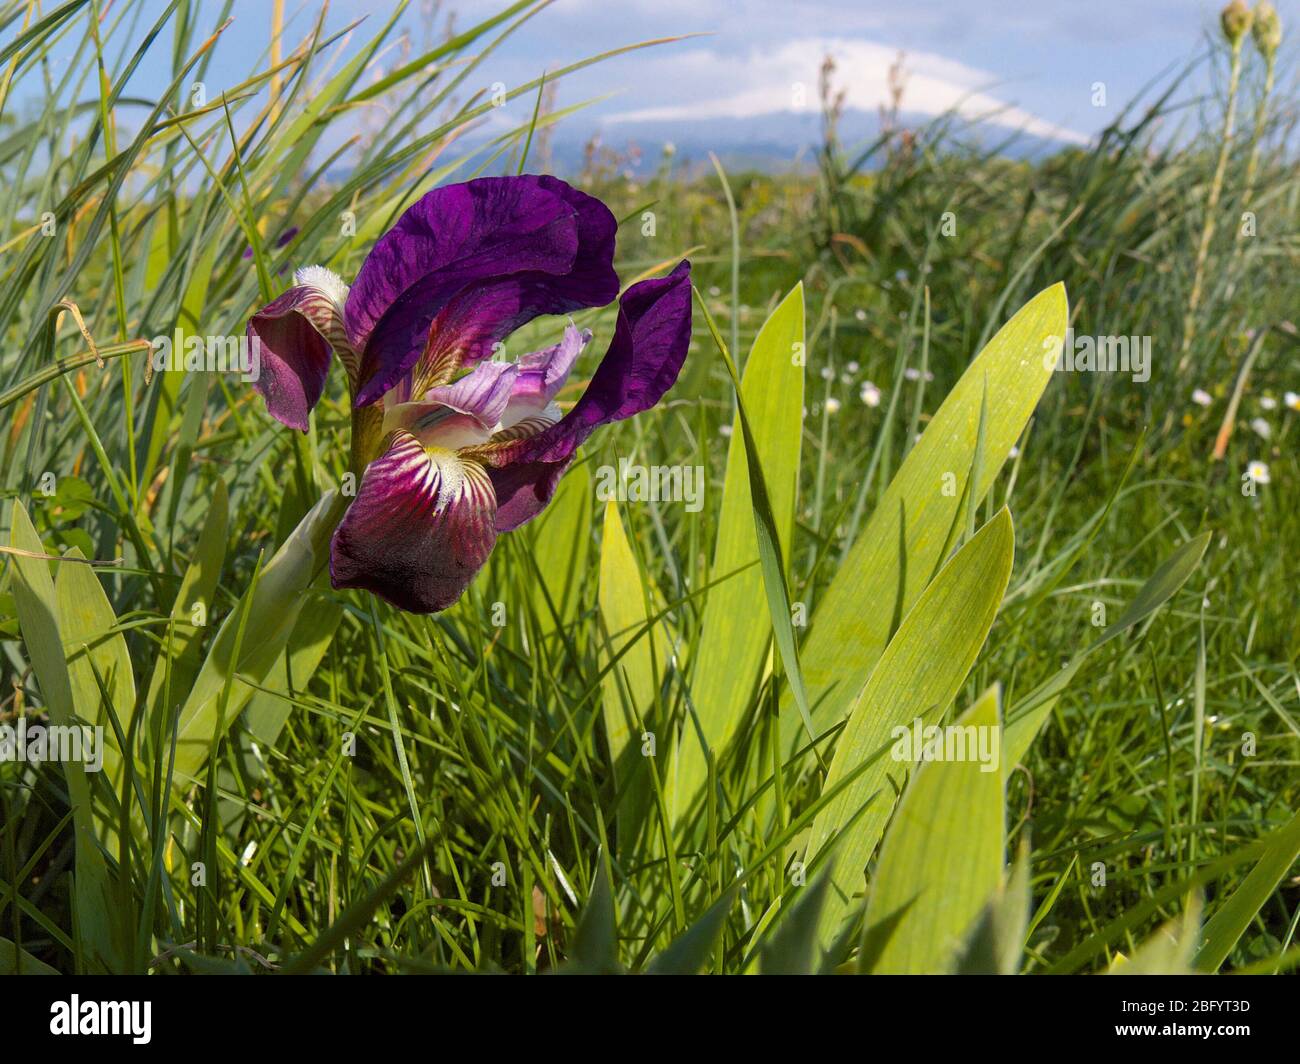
656,735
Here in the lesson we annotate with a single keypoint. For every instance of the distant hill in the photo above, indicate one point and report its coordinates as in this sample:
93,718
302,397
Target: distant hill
776,142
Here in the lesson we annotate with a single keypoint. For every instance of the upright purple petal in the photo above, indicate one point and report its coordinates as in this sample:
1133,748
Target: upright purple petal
484,393
420,527
473,262
646,354
296,335
649,346
543,373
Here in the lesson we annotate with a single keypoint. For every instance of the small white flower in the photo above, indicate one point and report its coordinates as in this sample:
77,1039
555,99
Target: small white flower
870,394
912,373
1292,400
1014,452
724,430
1262,428
828,374
1267,402
832,405
852,367
670,148
1202,398
846,378
1258,472
860,314
714,290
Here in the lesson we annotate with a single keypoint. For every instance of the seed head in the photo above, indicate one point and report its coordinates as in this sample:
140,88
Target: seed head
1236,19
1266,29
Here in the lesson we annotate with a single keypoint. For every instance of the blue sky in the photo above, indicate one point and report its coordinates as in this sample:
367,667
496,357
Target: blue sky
1037,61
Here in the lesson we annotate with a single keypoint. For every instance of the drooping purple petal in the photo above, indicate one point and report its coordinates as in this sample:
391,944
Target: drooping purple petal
523,490
419,529
296,335
649,346
474,262
646,354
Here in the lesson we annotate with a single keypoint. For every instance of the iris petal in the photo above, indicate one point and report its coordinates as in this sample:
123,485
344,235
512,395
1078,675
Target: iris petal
421,526
468,264
461,414
296,335
542,374
644,358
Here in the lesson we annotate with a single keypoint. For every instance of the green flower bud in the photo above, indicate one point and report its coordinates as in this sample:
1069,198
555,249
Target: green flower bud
1235,19
1267,29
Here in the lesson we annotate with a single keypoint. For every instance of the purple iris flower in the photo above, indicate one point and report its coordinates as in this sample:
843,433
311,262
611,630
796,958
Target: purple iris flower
458,447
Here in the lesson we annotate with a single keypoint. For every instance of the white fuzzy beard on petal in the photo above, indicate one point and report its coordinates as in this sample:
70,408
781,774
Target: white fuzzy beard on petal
326,280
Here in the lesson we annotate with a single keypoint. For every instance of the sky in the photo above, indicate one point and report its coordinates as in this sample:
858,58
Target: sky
1032,66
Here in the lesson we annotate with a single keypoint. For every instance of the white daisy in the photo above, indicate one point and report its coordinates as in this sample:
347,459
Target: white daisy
1268,402
832,405
870,394
1201,397
852,367
828,374
1258,472
1292,400
1261,428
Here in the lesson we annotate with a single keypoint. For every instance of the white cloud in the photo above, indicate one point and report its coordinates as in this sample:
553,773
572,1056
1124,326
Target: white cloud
706,84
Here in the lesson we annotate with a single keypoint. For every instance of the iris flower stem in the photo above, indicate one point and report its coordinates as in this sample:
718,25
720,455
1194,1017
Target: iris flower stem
1252,160
1211,205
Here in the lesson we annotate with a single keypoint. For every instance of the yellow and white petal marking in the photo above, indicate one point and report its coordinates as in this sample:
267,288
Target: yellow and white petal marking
422,524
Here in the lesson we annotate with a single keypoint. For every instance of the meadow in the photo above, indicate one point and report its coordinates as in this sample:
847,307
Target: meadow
657,734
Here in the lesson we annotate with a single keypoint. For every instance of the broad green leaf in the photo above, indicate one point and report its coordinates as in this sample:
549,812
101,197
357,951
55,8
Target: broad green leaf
595,939
266,713
996,944
37,608
268,613
87,624
735,631
916,678
771,555
689,952
16,961
1027,716
1232,918
903,543
942,858
791,949
562,545
628,689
